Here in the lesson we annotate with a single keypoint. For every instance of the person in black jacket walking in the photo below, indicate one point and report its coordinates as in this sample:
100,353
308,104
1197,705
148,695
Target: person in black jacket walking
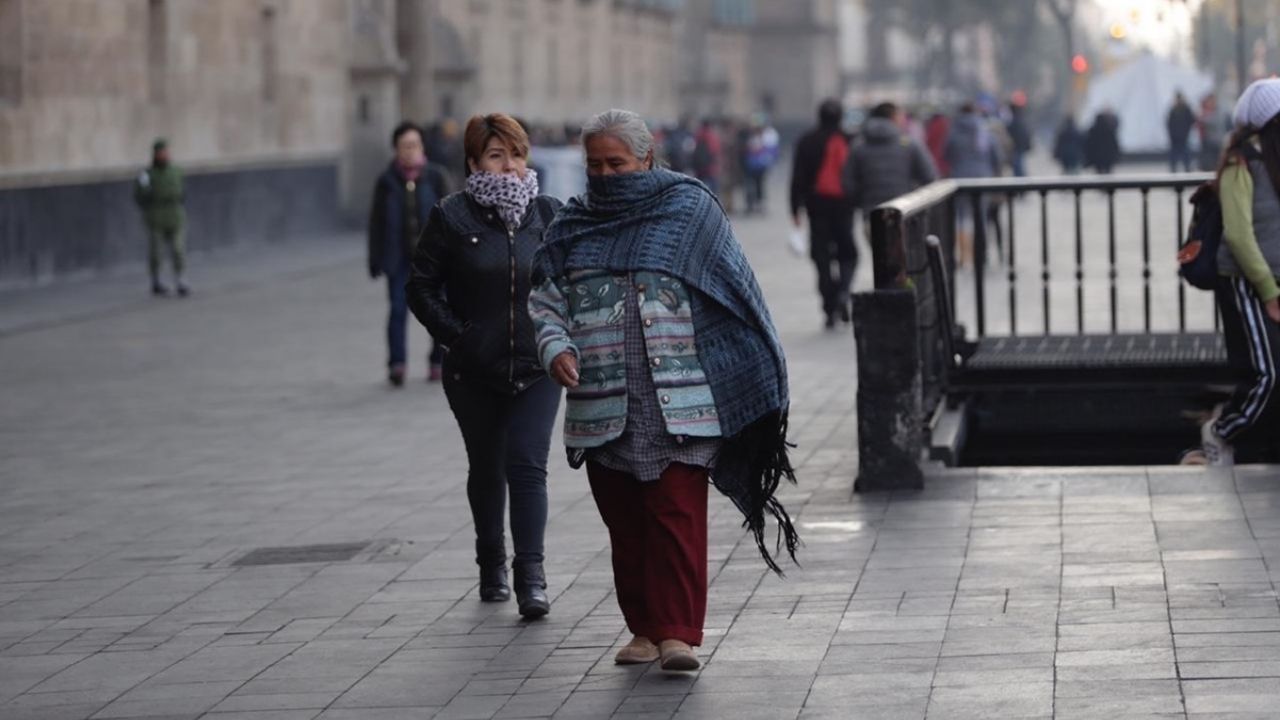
470,287
887,163
402,197
817,188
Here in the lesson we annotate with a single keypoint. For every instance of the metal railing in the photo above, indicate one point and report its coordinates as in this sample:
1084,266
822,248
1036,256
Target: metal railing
1066,257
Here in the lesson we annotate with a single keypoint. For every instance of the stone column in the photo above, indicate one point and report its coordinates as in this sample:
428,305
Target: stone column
890,418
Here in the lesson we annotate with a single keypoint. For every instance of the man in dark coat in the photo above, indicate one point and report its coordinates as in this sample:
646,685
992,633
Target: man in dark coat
1180,121
1102,142
887,163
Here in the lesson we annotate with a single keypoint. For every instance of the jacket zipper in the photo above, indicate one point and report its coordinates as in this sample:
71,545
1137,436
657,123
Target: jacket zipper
511,357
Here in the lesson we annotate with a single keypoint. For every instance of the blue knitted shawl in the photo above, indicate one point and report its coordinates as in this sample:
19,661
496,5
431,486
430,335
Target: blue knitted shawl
670,223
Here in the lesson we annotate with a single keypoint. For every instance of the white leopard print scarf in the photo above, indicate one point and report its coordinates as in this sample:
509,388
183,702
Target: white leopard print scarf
510,195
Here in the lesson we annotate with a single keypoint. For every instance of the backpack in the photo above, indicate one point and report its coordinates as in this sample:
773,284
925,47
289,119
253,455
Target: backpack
1198,256
828,183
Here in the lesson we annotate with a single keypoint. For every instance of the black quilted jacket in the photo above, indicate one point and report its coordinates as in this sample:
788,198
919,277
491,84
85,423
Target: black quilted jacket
469,285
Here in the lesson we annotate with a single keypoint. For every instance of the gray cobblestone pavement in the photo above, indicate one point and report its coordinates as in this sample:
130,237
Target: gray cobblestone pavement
147,446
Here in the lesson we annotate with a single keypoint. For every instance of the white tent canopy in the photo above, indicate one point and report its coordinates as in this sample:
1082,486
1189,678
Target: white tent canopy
1141,93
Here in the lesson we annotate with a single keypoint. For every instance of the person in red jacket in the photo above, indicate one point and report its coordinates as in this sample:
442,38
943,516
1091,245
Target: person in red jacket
817,189
936,131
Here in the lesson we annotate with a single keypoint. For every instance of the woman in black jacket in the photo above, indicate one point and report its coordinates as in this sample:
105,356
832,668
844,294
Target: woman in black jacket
469,285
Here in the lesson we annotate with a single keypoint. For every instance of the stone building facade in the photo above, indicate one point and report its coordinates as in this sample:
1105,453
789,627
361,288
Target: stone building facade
256,118
547,61
90,84
280,111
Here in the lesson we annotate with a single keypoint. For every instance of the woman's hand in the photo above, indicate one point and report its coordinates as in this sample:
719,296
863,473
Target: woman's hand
1273,309
564,369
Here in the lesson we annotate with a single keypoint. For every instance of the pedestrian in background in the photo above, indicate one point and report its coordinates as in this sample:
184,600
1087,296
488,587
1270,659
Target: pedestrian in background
1102,142
159,193
971,152
817,188
403,196
1247,295
1212,126
733,170
1019,137
936,130
470,287
887,162
648,312
760,156
1068,146
708,156
1179,122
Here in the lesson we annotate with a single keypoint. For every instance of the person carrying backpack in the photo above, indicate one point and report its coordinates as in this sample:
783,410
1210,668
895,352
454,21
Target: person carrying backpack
1247,292
817,189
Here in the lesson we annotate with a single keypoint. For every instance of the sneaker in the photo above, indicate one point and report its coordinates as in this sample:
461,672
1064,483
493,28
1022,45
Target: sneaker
1217,451
159,289
183,290
1193,456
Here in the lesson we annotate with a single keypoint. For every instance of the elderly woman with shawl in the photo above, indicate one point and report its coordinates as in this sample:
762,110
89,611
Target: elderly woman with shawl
646,309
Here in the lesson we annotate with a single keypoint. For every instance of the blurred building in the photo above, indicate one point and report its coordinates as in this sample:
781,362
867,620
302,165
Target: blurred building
251,94
280,110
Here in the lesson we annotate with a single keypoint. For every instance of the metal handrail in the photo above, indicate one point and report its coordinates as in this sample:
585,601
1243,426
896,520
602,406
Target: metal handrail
902,256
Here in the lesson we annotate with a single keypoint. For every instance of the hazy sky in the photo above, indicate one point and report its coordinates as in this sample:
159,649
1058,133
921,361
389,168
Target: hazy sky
1164,25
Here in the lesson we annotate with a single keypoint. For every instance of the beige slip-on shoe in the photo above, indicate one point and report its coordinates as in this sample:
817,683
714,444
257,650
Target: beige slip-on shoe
677,655
637,652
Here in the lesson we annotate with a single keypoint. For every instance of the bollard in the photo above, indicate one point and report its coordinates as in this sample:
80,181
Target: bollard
890,426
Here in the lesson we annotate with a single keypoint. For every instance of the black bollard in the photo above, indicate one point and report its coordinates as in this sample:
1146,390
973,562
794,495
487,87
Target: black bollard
890,427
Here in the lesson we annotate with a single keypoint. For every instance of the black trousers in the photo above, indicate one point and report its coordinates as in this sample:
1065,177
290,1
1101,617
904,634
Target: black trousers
1253,351
508,439
835,257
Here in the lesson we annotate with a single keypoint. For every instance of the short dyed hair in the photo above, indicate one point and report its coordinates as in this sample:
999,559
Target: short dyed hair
483,128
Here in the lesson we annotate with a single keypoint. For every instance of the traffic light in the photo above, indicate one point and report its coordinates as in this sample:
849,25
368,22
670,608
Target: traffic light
1079,64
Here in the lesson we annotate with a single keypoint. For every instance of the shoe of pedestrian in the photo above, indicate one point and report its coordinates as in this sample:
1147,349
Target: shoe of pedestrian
183,290
1217,451
493,583
677,656
1193,456
395,375
831,321
639,651
434,372
844,313
531,590
159,289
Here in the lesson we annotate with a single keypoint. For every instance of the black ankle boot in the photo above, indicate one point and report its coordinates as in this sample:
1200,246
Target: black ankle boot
493,583
531,590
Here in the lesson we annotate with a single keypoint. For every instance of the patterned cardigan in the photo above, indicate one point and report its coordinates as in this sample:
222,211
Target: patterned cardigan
583,314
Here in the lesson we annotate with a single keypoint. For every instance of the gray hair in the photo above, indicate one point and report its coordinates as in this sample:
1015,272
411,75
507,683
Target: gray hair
624,125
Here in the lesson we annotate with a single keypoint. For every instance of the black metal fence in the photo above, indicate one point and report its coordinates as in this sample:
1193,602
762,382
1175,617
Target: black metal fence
900,227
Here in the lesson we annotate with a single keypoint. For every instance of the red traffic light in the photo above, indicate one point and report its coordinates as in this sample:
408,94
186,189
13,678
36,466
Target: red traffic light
1079,65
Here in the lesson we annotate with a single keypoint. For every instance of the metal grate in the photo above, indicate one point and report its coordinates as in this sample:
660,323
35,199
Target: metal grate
335,552
1071,352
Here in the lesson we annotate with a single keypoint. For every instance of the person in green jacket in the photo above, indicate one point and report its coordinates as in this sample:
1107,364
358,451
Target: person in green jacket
158,192
1248,295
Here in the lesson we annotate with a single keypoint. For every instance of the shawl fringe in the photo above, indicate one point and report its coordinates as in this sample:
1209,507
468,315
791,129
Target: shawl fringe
748,470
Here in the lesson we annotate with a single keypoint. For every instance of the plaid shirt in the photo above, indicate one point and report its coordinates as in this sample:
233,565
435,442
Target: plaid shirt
645,448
